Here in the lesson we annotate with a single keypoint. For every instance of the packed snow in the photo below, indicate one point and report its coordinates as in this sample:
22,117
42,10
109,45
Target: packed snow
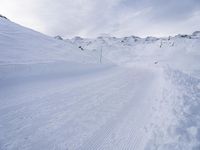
106,93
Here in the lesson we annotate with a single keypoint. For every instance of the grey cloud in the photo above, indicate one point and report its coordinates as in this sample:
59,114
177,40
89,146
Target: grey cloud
166,10
90,18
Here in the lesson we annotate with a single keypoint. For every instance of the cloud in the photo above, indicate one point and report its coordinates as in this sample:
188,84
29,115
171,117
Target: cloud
90,18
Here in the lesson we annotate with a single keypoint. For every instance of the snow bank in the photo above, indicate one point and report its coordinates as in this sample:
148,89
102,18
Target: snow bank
177,120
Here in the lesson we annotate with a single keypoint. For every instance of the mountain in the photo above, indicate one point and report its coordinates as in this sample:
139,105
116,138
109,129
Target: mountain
196,34
1,16
23,45
102,93
179,51
58,37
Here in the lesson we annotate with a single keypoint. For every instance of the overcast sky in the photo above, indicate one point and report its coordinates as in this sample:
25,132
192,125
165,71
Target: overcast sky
91,18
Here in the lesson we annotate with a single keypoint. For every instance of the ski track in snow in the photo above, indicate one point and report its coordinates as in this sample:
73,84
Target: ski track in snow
125,129
101,113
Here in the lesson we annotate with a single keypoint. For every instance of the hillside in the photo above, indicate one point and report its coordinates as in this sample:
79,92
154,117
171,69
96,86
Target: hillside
180,51
144,94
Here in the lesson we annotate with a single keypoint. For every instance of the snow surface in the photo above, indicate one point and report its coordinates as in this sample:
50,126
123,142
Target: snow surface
145,95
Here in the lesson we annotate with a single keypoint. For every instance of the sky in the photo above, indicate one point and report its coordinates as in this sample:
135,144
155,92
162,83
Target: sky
92,18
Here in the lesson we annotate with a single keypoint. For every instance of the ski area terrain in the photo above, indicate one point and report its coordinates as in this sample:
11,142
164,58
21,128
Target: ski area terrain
105,93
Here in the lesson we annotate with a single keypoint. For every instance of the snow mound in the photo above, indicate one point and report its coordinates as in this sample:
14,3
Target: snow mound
177,126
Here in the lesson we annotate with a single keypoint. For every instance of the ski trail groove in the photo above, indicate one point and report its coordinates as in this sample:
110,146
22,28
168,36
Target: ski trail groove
129,113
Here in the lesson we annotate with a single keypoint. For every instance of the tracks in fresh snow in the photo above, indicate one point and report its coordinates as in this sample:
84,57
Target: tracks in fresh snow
108,111
125,130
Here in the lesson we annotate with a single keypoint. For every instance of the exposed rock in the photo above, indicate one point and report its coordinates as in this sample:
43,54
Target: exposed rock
3,16
196,33
58,37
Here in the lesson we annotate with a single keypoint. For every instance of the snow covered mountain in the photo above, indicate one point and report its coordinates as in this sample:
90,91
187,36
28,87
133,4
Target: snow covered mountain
23,45
142,94
25,53
180,51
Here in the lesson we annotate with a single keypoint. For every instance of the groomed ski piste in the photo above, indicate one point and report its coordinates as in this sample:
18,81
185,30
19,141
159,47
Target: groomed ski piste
56,94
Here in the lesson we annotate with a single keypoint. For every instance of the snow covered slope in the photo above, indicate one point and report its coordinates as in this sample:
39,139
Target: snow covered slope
25,53
176,61
55,94
180,51
23,45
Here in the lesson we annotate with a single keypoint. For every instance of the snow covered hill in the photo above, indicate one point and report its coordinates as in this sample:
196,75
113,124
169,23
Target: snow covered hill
55,94
25,53
23,45
180,51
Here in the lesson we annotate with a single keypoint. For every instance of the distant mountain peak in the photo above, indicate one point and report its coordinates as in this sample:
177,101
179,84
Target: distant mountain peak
1,16
78,38
58,37
151,38
196,33
183,36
